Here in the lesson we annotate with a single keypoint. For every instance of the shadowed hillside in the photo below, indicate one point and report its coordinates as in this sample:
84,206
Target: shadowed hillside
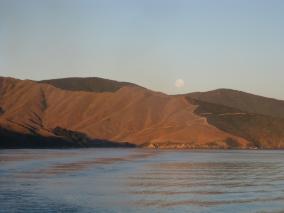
62,139
242,101
262,131
87,84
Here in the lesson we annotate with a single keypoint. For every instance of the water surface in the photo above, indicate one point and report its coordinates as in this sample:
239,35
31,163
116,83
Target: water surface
141,180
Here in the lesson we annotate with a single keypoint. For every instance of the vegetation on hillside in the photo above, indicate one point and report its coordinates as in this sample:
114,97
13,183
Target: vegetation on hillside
262,131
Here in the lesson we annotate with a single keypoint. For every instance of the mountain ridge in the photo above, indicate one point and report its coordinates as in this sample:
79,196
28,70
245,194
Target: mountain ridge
88,84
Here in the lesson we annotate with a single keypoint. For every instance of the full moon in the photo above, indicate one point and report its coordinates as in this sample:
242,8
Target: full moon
179,83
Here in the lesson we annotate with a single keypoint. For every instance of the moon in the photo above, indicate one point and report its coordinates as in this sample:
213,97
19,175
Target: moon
179,83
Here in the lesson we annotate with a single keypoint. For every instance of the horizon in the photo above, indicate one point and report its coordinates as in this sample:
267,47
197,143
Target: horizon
174,47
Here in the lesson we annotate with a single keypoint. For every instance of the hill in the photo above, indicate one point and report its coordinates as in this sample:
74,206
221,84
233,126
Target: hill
39,114
93,84
242,101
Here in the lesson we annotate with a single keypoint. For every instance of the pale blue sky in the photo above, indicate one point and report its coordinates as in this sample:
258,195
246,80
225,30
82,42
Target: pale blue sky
210,44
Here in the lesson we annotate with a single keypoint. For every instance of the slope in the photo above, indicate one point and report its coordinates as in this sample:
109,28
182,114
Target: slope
243,101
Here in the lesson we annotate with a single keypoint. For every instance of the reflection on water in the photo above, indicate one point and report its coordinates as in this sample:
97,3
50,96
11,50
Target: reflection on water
138,180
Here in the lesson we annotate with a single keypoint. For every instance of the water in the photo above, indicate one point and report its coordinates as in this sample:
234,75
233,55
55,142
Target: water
138,180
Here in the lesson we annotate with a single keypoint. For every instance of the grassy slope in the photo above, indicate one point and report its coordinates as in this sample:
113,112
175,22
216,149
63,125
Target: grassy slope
243,101
262,131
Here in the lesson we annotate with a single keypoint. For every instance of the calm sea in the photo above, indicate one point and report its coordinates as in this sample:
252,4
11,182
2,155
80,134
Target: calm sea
141,180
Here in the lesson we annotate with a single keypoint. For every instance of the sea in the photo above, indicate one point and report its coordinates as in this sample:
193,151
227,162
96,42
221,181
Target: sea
141,180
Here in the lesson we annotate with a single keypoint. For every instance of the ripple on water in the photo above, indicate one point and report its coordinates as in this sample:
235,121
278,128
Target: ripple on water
114,180
207,184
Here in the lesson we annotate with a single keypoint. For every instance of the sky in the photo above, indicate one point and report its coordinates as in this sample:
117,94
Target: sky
172,46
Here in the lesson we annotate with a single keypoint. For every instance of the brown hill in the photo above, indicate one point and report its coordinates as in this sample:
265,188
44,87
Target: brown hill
242,101
130,114
37,114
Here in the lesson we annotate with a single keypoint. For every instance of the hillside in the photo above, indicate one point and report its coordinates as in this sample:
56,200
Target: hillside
38,114
263,131
242,101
